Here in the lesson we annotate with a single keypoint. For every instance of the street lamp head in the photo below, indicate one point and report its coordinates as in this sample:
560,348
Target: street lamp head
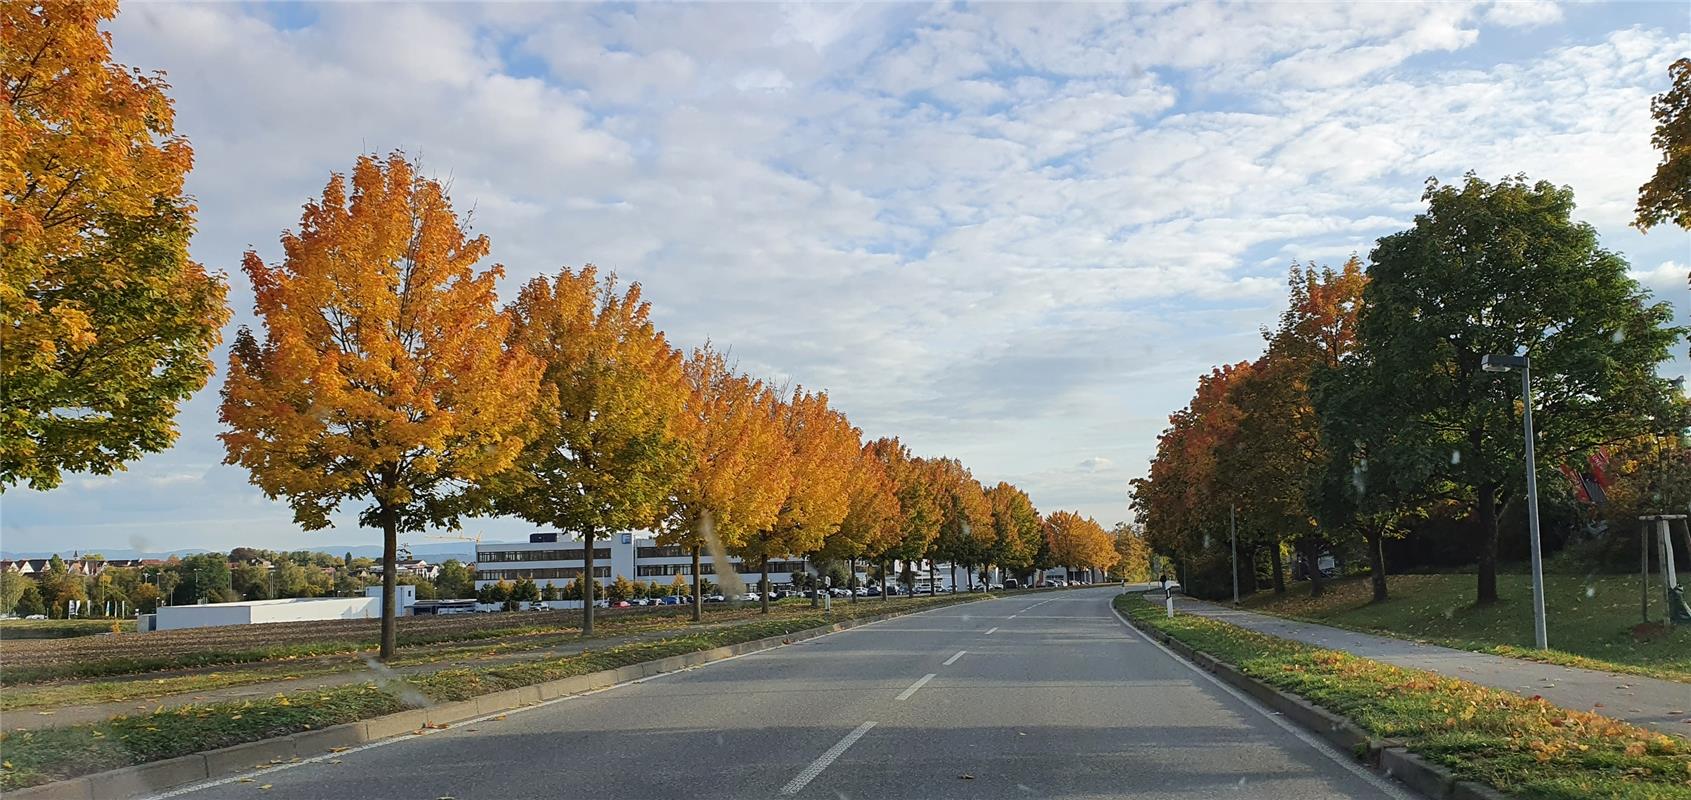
1497,363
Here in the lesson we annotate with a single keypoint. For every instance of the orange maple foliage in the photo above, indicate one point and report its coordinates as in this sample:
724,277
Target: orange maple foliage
821,447
383,373
108,324
738,475
1079,542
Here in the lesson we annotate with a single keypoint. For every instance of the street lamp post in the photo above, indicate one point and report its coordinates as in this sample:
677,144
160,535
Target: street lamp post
1233,533
1498,363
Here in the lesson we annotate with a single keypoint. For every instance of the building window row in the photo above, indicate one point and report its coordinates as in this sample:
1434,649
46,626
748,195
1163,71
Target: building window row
578,554
538,574
660,570
661,551
787,567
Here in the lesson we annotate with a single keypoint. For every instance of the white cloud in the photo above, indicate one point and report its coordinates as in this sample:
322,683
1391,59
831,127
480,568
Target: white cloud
1524,13
1009,233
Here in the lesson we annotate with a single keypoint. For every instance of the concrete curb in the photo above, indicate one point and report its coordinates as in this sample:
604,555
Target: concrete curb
1424,777
159,776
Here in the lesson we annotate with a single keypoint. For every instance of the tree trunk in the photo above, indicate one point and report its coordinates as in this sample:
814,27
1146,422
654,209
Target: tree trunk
589,582
954,576
1279,567
763,587
933,579
1311,553
698,587
1376,561
1486,546
390,549
851,577
883,579
816,588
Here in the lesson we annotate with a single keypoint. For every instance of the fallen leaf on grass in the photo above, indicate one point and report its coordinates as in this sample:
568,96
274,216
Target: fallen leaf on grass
337,749
236,716
246,780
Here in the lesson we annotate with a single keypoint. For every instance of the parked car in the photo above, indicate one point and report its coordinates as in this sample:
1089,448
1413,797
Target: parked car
840,591
1012,583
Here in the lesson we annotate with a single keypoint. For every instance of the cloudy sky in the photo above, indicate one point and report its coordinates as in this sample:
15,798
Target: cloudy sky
1012,234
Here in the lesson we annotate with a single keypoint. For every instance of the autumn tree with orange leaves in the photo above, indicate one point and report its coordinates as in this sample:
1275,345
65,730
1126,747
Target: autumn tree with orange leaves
610,439
919,508
1017,529
871,524
821,447
965,532
383,373
1183,502
736,480
1080,543
108,325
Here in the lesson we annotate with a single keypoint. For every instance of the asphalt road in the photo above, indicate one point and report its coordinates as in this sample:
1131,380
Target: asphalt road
1037,696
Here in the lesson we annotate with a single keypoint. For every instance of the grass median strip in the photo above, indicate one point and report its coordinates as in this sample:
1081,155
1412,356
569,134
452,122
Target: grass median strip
35,757
1522,746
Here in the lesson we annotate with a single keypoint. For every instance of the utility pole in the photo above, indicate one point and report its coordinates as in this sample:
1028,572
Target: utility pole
1233,531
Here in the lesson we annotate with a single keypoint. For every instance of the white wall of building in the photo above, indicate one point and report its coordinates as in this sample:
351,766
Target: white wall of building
296,609
620,555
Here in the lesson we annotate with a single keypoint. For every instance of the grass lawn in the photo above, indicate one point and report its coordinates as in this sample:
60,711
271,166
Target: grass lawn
60,628
1526,748
1590,620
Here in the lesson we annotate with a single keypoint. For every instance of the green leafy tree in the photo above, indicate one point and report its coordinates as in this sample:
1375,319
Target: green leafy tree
455,579
1501,269
203,575
29,602
12,586
525,590
1667,196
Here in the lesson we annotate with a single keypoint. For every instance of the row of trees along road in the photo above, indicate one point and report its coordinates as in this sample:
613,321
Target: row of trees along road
1368,413
387,374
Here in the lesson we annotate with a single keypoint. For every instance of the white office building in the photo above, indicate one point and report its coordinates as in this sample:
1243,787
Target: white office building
558,559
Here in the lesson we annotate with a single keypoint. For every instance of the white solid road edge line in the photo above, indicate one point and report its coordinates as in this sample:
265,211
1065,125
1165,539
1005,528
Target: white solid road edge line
215,782
953,659
1385,785
822,761
905,695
